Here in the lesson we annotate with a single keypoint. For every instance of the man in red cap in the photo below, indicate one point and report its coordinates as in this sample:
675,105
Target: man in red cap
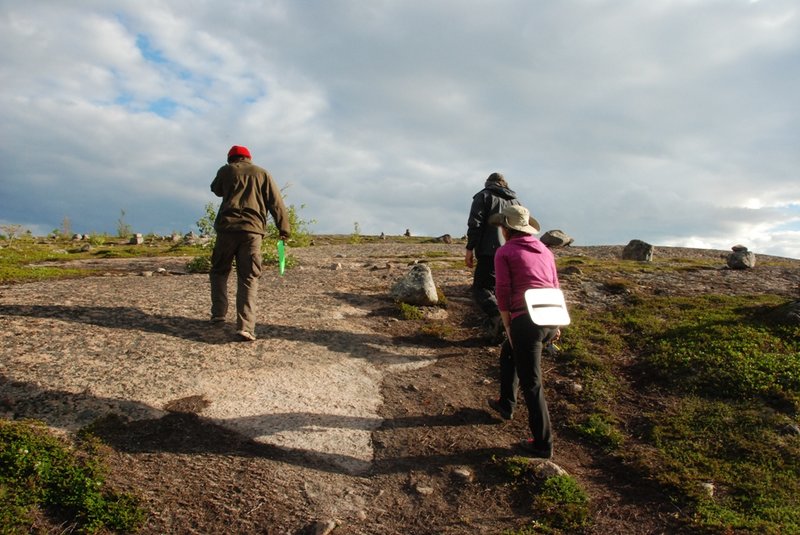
248,194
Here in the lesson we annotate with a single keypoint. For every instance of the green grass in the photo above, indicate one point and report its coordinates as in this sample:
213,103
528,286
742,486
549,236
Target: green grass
739,448
41,474
729,376
720,346
616,266
16,260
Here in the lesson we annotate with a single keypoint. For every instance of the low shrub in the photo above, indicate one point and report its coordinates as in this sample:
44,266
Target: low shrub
199,264
562,503
409,312
41,471
599,430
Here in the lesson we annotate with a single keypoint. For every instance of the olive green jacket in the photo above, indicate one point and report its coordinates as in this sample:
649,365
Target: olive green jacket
248,194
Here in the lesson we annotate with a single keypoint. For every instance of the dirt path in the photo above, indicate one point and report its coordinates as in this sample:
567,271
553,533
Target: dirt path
337,412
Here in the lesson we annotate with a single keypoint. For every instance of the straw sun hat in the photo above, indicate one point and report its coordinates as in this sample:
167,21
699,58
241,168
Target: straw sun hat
515,217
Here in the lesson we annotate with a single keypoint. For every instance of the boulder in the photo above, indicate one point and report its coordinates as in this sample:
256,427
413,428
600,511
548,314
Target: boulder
444,238
556,238
638,250
137,239
790,313
416,287
741,258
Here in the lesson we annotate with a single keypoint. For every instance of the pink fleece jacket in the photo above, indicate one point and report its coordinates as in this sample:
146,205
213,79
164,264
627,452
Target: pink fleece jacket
522,263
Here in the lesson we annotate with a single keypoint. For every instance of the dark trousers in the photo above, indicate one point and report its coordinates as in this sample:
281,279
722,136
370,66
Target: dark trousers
245,247
528,341
483,286
509,381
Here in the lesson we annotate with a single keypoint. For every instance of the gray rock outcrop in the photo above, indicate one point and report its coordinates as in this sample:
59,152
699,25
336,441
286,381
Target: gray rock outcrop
416,287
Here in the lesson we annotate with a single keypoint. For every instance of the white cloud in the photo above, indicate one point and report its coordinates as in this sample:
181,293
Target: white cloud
667,121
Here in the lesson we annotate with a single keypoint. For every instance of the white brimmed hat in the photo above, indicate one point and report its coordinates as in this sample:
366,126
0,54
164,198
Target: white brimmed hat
515,217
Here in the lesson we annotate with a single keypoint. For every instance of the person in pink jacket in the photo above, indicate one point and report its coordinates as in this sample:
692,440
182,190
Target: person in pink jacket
523,262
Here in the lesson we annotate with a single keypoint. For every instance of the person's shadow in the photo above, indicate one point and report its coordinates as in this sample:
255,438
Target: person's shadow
134,427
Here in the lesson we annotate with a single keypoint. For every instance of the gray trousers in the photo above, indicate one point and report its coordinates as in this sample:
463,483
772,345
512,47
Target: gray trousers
245,247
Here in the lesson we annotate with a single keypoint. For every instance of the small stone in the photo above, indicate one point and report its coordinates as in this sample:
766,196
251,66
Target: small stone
571,270
322,527
336,267
464,473
576,388
546,469
708,488
791,429
423,490
485,381
146,273
412,388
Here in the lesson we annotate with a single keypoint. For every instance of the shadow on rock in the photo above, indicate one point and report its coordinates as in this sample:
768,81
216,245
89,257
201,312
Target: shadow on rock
127,318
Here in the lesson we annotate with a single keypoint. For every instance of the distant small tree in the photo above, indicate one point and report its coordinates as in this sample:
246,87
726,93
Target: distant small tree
299,228
66,228
206,223
123,228
355,237
11,232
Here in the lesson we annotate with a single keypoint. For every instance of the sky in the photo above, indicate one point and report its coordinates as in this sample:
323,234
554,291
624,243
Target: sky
675,122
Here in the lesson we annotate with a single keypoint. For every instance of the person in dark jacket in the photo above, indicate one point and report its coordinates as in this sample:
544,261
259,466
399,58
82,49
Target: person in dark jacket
483,240
248,195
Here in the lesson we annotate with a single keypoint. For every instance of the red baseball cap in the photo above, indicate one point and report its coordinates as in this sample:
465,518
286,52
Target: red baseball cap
238,150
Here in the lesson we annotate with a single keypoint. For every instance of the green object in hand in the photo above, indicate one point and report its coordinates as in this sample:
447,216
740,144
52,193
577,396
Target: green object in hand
281,257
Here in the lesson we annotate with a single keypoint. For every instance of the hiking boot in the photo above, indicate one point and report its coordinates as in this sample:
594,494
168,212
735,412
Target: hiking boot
246,336
217,319
497,406
533,449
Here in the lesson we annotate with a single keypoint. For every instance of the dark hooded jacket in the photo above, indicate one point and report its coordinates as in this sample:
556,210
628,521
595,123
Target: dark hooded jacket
248,195
482,238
